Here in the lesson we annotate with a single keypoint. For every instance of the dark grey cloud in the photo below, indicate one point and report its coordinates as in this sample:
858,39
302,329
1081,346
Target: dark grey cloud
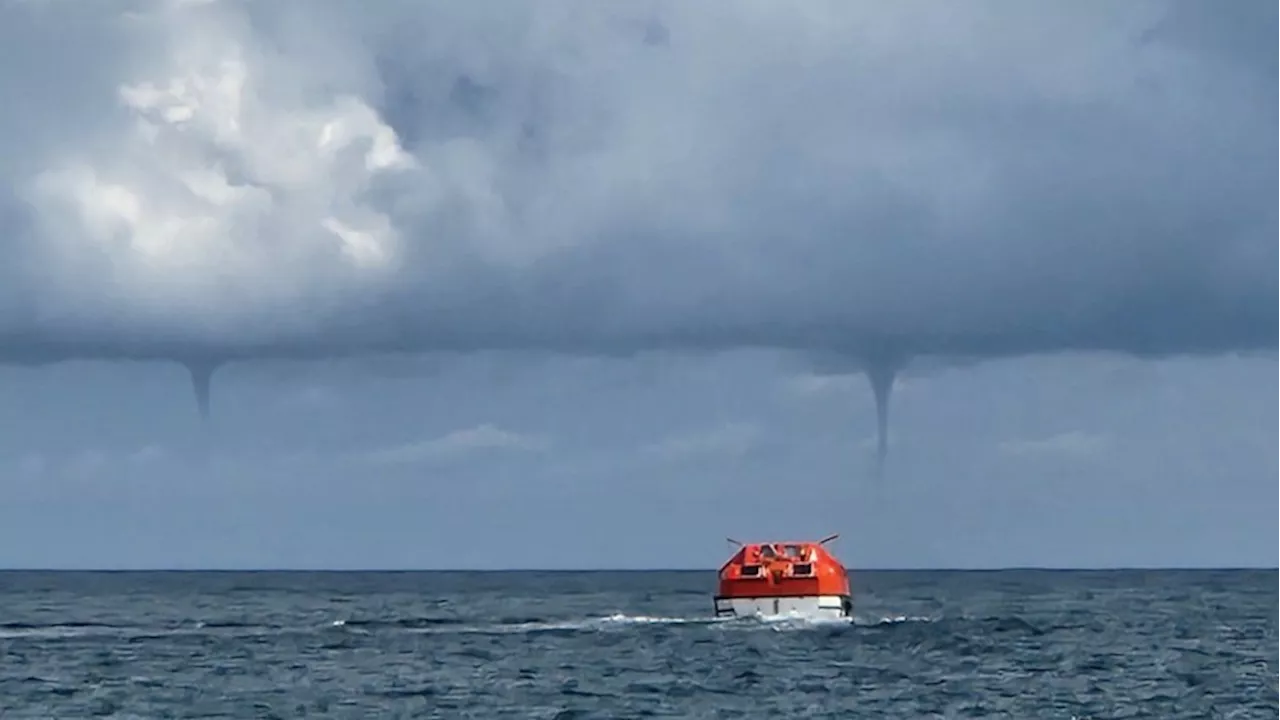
216,181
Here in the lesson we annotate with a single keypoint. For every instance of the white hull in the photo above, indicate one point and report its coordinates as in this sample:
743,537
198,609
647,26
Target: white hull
817,607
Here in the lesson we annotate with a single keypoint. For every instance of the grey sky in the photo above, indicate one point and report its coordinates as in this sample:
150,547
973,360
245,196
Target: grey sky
577,195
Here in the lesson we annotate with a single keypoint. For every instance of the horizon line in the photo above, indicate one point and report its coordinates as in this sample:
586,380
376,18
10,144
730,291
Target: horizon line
852,571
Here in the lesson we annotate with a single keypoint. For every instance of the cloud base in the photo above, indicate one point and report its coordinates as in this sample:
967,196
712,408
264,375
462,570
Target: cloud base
232,181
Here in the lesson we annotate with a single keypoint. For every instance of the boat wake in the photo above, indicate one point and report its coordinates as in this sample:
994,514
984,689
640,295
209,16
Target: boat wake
893,620
619,622
616,622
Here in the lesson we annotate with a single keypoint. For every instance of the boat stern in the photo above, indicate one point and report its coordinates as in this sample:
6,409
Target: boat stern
792,579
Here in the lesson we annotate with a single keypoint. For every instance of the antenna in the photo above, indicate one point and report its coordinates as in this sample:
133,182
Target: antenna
828,539
734,542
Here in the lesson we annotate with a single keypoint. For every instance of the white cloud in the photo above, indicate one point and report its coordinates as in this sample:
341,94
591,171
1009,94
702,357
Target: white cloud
83,464
732,439
86,464
147,455
1075,443
812,384
310,398
231,159
480,439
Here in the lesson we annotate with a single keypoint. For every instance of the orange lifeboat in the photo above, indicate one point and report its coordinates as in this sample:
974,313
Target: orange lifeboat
784,578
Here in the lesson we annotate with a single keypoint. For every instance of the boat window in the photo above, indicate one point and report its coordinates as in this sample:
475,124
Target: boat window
792,551
750,570
799,569
766,551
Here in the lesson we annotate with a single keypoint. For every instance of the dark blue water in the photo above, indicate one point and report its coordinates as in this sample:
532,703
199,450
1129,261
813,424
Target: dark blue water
1016,644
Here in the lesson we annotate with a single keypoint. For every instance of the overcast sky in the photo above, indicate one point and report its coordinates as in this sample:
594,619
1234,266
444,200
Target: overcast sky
636,258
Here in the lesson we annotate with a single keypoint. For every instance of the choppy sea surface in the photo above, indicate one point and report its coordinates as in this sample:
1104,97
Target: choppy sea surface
1015,644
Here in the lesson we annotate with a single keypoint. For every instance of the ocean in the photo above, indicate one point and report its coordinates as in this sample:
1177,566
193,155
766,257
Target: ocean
1013,644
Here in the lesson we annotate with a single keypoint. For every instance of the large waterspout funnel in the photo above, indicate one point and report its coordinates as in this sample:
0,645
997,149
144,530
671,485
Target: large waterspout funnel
881,373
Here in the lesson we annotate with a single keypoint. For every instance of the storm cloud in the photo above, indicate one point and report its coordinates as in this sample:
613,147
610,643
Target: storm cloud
212,181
